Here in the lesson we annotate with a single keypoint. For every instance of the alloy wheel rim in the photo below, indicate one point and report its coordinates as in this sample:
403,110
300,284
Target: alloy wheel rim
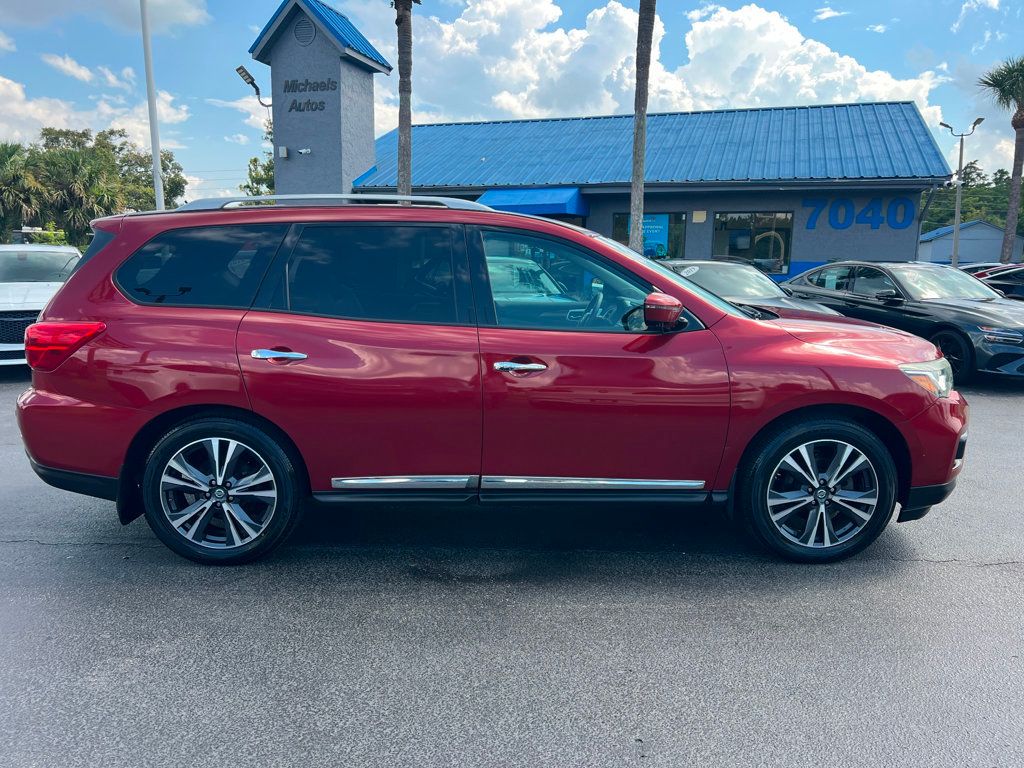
218,493
822,494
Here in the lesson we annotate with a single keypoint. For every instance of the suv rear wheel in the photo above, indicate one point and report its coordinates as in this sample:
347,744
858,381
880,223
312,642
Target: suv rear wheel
220,491
818,491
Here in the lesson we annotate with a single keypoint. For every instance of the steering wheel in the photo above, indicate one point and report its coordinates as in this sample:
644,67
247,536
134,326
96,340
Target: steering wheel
592,310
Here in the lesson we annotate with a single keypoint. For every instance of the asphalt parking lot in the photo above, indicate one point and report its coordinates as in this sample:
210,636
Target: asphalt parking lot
538,638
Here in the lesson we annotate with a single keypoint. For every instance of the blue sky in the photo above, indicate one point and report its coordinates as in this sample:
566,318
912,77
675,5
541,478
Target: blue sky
504,58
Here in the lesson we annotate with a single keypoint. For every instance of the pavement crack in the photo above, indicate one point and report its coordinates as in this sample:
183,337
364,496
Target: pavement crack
79,543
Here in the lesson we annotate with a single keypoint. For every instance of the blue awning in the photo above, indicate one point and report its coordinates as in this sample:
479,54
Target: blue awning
538,200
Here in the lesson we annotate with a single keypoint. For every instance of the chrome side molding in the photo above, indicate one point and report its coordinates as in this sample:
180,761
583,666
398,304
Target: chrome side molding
411,482
506,482
510,483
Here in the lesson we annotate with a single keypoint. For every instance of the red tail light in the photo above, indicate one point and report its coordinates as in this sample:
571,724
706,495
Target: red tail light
47,345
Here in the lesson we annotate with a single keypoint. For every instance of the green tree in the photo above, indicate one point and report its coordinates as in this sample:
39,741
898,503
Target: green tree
261,169
22,196
82,186
1005,84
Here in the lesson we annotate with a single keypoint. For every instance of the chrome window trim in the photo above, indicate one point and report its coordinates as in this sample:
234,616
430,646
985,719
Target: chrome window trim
510,482
412,482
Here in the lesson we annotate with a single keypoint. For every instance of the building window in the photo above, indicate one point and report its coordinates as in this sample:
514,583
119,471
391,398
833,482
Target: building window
664,234
763,239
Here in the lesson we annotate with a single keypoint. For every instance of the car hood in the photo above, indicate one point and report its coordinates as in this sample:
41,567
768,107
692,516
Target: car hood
1004,313
862,339
776,303
26,295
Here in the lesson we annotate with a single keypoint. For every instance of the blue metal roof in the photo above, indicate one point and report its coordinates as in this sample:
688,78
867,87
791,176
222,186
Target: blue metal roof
935,234
876,141
334,22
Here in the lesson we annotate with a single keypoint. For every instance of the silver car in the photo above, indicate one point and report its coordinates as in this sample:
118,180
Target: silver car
29,276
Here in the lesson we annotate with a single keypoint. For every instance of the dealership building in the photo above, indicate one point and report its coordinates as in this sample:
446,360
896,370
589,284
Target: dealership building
787,188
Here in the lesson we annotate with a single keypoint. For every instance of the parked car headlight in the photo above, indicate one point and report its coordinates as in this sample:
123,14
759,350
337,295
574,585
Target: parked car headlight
936,376
1001,335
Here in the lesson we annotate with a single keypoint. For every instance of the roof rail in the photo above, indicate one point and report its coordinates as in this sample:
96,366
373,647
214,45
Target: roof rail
221,203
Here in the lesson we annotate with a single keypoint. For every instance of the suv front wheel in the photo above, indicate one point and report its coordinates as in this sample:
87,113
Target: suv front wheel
220,491
818,491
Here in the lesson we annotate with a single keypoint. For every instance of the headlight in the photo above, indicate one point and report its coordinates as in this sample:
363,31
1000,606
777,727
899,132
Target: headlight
936,376
1001,335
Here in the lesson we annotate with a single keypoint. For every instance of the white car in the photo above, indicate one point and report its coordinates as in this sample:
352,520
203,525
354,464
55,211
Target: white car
29,276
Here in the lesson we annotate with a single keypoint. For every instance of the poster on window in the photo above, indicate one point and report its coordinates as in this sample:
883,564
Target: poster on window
655,235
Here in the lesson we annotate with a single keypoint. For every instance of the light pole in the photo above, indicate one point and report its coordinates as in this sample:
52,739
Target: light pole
154,128
955,261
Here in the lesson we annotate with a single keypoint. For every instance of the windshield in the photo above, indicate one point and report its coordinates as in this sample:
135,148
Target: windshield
937,283
36,266
520,276
736,281
674,277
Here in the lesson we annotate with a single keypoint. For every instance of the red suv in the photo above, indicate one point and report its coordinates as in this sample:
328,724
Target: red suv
217,366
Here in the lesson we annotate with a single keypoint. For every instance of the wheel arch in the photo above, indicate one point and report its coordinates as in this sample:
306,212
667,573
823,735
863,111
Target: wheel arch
875,422
129,496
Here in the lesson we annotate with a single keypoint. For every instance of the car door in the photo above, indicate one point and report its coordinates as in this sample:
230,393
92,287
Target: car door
578,402
828,286
864,302
363,349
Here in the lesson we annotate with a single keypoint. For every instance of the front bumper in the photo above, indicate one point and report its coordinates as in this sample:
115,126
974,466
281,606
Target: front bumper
920,499
992,357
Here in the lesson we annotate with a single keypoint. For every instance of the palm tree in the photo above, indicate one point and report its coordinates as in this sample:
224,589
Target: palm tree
1005,84
21,194
83,189
644,37
403,20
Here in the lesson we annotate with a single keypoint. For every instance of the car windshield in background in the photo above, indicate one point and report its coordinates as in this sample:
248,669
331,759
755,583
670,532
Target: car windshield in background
35,266
733,280
675,277
925,284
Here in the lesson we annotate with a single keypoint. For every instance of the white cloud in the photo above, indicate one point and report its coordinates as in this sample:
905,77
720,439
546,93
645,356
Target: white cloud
970,6
980,45
823,14
511,58
255,114
68,66
879,28
164,15
135,121
6,43
197,187
24,116
237,138
125,80
698,14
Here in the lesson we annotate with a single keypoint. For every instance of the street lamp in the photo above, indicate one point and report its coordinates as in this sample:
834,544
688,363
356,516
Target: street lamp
250,80
959,187
154,127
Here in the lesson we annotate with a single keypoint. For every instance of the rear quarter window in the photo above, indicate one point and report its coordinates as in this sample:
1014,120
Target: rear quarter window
202,266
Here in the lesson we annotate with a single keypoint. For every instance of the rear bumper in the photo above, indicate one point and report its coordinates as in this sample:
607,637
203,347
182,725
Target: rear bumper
77,482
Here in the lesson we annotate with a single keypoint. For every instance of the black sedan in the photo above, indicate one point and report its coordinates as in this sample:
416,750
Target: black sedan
976,328
1008,281
745,285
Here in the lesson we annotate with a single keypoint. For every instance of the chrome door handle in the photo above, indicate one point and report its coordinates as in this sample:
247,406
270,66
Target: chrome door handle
276,354
508,366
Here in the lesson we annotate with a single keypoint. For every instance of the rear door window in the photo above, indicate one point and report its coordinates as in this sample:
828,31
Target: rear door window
832,278
202,267
393,273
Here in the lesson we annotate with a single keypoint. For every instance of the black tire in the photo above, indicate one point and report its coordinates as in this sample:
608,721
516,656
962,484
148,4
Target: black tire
957,349
284,511
760,470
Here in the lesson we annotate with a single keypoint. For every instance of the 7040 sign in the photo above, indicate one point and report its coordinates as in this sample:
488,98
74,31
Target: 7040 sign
842,213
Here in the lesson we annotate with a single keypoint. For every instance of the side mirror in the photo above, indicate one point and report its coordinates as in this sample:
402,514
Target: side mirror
662,312
889,296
